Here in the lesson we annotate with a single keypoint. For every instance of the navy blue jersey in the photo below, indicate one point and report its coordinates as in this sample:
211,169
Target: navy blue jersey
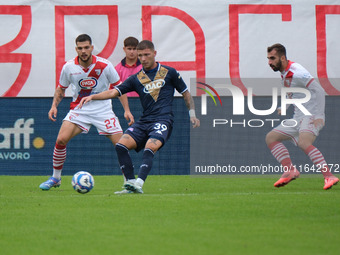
156,90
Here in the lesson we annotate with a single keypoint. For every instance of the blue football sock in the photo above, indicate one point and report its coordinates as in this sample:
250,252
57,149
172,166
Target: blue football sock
146,165
125,161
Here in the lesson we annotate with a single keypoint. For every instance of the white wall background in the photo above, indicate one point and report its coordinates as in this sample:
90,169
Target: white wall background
173,39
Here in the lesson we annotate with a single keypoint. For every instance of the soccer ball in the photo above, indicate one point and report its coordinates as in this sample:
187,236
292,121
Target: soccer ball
82,182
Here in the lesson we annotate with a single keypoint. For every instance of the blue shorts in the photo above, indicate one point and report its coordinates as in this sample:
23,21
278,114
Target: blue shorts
142,131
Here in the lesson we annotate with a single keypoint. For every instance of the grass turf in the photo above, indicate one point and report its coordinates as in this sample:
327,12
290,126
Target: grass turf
176,215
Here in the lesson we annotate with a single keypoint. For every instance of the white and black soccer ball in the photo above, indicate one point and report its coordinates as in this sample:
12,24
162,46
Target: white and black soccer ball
82,182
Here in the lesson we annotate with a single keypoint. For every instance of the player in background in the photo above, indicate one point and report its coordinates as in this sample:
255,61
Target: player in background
308,126
155,85
130,64
86,74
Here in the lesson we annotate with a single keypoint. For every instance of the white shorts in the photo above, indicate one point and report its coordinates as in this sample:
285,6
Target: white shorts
106,123
293,127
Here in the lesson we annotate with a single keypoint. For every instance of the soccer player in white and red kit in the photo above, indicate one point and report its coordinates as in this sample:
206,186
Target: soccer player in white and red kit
86,74
304,128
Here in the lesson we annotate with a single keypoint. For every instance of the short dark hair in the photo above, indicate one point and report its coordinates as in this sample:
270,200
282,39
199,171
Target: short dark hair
145,44
131,41
280,49
83,38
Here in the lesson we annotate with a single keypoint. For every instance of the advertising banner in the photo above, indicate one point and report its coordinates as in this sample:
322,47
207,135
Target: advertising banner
27,139
215,39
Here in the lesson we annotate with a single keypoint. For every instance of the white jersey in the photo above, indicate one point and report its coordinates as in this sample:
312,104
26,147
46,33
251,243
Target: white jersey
98,77
297,76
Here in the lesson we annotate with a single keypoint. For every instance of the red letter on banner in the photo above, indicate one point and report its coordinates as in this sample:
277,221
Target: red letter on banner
199,63
234,47
320,13
24,59
61,11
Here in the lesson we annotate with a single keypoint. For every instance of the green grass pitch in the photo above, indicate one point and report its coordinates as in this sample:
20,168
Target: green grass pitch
176,215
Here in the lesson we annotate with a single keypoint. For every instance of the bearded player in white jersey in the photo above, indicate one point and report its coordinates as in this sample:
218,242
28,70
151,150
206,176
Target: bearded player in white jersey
86,74
307,127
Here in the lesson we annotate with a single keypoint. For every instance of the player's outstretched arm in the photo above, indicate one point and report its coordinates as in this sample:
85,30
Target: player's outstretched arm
127,113
58,96
100,96
189,101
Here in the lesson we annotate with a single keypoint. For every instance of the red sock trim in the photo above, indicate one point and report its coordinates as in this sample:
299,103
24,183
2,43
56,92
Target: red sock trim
309,149
272,145
59,146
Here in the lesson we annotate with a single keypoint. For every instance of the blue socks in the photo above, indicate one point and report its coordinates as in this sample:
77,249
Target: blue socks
146,165
125,161
126,165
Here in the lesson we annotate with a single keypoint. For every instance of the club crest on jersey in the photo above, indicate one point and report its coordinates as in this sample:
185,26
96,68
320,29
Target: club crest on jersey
98,71
88,83
153,86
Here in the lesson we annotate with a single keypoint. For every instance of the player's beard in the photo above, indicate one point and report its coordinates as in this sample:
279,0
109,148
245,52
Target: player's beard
85,58
277,67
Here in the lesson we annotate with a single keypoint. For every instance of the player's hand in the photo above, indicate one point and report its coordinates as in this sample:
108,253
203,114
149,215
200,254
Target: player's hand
83,101
279,111
319,123
129,117
195,122
52,114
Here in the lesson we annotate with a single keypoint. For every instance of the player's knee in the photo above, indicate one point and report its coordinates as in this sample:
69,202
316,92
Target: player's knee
153,144
270,138
303,144
61,142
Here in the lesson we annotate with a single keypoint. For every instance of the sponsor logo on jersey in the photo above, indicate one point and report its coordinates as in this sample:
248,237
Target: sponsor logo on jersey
153,86
88,83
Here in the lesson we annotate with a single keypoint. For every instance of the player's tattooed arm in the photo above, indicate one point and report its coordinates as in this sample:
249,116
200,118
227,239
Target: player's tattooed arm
59,94
112,93
189,101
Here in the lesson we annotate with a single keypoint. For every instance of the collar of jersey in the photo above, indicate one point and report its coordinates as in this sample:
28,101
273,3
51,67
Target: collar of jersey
128,66
152,70
288,66
94,60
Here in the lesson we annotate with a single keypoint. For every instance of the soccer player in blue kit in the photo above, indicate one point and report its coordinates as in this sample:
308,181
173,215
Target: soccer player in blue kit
155,85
